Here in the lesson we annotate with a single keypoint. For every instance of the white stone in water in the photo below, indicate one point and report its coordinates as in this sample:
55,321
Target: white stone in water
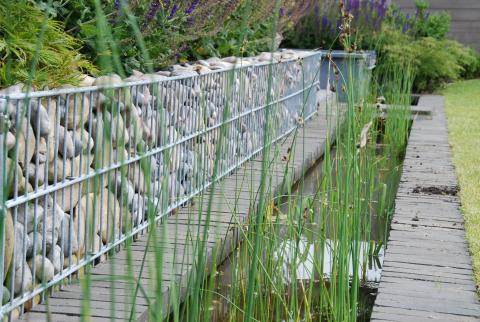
23,279
55,257
43,268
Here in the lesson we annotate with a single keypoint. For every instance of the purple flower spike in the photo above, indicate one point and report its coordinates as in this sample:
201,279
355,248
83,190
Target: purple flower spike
173,12
192,7
281,12
152,11
324,21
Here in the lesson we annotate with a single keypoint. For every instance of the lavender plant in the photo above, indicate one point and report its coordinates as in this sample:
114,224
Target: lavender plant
322,26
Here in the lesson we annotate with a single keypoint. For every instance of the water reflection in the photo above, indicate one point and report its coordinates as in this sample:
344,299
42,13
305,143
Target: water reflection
300,255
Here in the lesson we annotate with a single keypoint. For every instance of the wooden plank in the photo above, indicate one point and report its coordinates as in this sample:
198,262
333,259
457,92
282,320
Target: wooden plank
427,272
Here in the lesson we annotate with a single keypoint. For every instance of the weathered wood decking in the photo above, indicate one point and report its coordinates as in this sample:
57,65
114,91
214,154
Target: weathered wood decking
427,274
234,199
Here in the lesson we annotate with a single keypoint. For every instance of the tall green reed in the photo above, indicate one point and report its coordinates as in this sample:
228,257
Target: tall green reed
339,210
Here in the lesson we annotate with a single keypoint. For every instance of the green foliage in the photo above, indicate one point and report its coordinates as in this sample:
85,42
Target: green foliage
29,38
234,39
429,25
422,24
163,33
434,61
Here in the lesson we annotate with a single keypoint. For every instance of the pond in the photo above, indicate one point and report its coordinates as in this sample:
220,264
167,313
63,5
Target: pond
315,249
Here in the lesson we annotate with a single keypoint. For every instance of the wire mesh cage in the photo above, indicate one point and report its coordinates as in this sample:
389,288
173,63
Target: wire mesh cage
82,167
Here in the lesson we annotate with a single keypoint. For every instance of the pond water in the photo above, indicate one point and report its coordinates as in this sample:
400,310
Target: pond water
372,250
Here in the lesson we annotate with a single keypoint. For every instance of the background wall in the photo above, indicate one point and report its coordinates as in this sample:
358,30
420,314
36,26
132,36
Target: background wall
465,24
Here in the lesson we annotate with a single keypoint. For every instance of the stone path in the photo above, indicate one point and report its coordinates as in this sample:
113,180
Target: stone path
233,201
427,273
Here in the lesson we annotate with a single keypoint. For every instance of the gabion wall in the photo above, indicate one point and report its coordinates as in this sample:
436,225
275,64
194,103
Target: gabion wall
82,164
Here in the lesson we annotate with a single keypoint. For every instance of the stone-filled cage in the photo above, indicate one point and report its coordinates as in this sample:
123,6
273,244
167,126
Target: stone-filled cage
81,166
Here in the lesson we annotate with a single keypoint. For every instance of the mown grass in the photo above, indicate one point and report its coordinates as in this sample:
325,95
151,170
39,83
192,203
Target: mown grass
463,113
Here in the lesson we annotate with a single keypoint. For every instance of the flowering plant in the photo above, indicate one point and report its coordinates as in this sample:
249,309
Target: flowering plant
321,28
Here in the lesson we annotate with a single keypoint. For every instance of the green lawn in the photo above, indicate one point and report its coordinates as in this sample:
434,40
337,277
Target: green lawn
463,112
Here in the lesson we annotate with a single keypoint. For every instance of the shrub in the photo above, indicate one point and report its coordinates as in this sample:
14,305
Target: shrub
174,30
435,62
28,37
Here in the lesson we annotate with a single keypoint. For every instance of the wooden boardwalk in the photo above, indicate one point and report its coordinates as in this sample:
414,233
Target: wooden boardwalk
427,273
234,198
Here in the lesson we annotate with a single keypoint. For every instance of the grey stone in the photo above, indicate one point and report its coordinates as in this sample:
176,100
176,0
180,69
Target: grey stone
5,295
21,245
14,89
40,120
43,268
73,108
23,279
66,147
28,214
55,258
26,148
67,240
35,244
41,151
83,140
138,208
51,224
123,189
10,140
106,127
9,243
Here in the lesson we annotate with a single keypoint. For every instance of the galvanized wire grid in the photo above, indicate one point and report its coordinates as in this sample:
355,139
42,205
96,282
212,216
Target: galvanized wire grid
81,164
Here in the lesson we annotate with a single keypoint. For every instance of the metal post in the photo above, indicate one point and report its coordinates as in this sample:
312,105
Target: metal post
4,125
